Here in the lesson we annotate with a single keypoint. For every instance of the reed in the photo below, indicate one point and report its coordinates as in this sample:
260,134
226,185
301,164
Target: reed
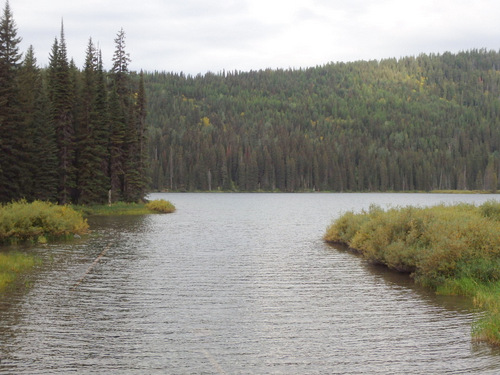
451,249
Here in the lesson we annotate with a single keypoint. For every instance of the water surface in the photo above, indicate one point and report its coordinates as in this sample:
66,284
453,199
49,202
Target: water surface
234,284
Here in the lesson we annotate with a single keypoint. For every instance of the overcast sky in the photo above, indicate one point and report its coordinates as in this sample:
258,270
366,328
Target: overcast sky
196,36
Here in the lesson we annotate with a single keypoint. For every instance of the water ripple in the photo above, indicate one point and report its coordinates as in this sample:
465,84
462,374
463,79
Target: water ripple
232,284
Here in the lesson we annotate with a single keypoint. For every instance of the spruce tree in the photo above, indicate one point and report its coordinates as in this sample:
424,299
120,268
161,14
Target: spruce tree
116,146
13,155
42,148
127,173
137,164
101,127
141,112
93,183
61,97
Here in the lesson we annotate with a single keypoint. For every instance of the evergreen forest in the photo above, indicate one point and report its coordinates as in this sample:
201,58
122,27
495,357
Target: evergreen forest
422,123
70,135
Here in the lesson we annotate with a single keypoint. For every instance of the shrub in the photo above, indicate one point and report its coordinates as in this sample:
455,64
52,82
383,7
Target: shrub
451,249
22,221
160,205
491,209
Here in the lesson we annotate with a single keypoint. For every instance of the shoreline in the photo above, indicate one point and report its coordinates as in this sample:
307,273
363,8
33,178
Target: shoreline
41,222
452,250
486,192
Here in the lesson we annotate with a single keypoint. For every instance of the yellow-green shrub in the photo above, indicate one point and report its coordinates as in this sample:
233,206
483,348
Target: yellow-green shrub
491,209
160,205
436,242
23,221
452,249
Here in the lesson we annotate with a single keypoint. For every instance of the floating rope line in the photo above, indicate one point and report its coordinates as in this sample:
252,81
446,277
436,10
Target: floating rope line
91,267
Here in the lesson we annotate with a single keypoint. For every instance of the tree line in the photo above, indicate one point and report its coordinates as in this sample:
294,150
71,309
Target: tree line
74,135
415,123
70,135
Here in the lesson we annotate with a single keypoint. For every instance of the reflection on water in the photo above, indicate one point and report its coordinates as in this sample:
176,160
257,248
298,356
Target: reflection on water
234,283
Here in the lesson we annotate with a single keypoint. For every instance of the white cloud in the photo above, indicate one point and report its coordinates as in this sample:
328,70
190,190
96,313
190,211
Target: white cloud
196,36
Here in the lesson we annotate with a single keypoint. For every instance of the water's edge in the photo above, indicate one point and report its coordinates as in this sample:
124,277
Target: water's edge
234,283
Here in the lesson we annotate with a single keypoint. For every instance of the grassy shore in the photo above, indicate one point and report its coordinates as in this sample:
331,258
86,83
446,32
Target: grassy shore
453,250
39,222
13,264
462,192
122,208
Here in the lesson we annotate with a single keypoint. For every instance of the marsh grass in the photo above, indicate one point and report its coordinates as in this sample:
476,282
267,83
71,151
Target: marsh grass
12,264
38,222
115,209
123,208
460,192
451,249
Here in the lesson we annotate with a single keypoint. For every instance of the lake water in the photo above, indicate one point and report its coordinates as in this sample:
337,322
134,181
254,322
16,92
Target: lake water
234,284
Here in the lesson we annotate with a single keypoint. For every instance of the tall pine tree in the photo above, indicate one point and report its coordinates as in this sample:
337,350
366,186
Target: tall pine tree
93,183
126,168
141,115
13,154
42,142
61,97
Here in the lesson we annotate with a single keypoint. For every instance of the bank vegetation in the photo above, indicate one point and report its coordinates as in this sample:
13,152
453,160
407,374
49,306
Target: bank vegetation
37,222
454,250
40,222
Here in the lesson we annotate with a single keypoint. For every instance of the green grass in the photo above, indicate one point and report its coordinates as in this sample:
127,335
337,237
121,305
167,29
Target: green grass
488,328
450,249
122,208
13,264
461,192
36,222
115,209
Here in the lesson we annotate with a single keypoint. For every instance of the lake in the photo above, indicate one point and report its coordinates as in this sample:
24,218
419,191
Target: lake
234,284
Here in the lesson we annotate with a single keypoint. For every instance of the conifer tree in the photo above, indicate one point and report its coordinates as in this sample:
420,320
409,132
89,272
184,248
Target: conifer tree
119,71
13,156
135,168
141,115
127,173
92,180
42,143
100,120
119,116
61,97
116,146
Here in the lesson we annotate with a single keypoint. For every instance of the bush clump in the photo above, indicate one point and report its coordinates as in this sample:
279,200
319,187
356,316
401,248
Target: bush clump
451,249
161,205
38,221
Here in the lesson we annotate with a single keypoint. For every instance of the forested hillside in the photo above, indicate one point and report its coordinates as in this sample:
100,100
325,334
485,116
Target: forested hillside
417,123
69,135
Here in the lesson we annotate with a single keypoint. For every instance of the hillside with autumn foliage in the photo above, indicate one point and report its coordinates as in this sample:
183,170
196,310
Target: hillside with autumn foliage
415,123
